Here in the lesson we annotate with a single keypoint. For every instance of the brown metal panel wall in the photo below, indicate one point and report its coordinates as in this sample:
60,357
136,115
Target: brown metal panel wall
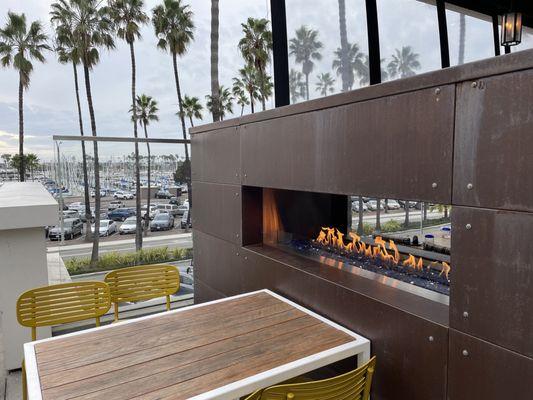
480,370
216,156
217,264
395,147
204,293
409,364
493,142
493,276
218,212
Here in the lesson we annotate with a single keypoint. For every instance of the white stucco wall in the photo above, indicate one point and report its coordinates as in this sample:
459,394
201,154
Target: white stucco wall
25,208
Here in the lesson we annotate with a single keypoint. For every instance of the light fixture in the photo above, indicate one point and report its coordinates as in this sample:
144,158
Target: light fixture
511,29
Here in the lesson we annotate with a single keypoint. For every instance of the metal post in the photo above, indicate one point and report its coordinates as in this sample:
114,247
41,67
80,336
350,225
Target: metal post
443,34
374,57
280,52
496,35
61,222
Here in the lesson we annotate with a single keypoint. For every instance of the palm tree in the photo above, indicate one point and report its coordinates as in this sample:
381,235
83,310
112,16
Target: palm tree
128,16
67,51
305,48
224,103
214,53
174,26
378,216
344,69
347,66
247,81
19,45
255,48
192,108
32,162
360,226
92,29
325,83
364,71
146,112
296,85
403,63
239,94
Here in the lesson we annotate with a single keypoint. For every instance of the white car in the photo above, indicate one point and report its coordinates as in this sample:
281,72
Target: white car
153,210
123,195
128,226
373,205
76,206
393,205
107,227
355,206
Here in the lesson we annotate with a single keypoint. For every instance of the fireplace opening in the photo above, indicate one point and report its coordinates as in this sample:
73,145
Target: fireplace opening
402,243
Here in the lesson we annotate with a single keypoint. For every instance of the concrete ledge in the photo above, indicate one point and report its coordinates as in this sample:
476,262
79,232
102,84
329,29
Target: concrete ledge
26,205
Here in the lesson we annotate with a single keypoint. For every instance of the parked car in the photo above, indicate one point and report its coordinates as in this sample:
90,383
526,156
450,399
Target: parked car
107,227
162,222
75,206
183,222
373,205
392,205
181,209
163,194
174,200
120,195
170,208
121,214
128,226
82,214
70,214
103,193
412,204
144,209
114,204
355,206
72,227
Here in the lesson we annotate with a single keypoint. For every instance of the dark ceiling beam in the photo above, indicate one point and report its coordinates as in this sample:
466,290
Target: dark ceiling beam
443,34
374,57
280,53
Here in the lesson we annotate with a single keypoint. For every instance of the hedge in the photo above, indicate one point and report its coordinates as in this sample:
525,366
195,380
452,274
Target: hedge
115,260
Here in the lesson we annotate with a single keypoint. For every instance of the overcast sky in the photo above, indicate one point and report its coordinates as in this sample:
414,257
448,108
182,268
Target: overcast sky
50,106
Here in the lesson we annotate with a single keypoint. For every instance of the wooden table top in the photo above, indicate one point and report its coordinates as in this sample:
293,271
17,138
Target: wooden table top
182,353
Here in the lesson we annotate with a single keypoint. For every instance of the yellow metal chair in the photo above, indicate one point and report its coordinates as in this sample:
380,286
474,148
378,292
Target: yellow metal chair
354,385
60,304
142,283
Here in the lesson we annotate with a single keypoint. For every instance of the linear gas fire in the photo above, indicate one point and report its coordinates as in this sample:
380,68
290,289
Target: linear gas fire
404,244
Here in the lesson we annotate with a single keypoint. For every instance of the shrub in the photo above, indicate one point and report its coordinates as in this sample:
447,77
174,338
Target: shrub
391,226
114,260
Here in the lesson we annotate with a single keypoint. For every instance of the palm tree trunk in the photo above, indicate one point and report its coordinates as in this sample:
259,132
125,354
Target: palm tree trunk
138,224
445,211
386,206
307,86
360,229
96,236
147,216
190,120
242,110
462,37
214,58
252,101
262,89
378,216
22,169
87,201
406,207
344,45
184,129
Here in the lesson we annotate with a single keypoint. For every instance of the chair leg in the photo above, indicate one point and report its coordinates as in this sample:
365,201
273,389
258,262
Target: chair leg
168,303
116,311
24,383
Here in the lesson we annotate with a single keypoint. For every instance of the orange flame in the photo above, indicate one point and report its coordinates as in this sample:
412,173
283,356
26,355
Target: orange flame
445,269
410,261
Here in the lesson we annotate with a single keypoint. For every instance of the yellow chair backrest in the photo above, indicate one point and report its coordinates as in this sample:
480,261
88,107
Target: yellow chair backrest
63,303
354,385
142,283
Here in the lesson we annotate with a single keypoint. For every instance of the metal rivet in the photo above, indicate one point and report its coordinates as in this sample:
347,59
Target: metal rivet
465,314
437,91
237,254
245,257
434,185
468,226
236,194
431,338
469,186
236,174
465,353
237,235
474,84
245,175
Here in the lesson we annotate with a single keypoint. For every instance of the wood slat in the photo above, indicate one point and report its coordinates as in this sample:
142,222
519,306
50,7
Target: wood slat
234,307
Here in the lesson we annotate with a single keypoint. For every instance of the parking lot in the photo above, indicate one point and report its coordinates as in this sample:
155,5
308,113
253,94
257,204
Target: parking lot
128,204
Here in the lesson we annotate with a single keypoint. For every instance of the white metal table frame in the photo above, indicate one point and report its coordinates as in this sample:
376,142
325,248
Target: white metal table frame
359,347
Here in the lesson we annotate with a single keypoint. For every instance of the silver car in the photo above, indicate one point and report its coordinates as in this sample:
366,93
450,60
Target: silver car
107,227
162,222
128,226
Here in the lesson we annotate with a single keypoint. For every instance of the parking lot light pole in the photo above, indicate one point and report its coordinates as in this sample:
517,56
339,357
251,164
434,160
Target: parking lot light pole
61,224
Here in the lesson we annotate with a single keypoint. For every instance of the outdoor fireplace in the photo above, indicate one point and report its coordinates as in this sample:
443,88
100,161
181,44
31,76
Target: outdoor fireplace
327,229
